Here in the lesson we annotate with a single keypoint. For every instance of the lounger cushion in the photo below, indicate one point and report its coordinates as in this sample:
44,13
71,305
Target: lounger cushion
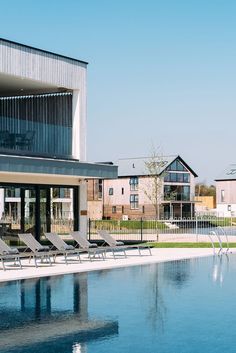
12,251
43,248
93,246
69,247
119,243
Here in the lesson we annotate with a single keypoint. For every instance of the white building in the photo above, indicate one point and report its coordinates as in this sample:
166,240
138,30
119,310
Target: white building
226,192
43,163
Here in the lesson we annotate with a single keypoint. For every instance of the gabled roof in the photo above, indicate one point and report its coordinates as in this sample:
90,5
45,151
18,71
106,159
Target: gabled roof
228,173
137,166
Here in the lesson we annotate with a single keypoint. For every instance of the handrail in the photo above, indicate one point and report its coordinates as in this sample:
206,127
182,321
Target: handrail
212,242
226,237
219,240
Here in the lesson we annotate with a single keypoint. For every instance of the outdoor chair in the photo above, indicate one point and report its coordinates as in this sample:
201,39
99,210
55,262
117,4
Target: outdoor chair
90,248
119,245
62,247
9,254
36,249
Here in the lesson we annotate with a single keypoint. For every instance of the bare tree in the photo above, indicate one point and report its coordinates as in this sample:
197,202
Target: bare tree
153,188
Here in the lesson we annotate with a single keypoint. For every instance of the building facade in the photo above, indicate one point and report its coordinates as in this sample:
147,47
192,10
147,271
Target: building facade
133,195
43,168
226,192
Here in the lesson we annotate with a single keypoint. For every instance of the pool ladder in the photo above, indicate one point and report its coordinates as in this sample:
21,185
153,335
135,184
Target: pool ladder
220,232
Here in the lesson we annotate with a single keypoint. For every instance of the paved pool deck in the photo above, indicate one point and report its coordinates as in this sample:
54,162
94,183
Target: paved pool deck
60,268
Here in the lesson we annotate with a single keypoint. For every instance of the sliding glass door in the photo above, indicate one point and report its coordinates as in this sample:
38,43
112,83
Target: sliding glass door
39,208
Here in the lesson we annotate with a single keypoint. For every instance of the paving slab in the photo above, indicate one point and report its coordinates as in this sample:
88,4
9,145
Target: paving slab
133,259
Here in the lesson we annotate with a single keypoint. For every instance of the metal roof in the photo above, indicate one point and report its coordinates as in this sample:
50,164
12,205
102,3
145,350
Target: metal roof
41,50
228,173
22,164
137,166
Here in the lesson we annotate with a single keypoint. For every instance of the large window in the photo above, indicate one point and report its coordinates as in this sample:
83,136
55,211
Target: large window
177,177
177,166
134,201
176,192
37,124
133,183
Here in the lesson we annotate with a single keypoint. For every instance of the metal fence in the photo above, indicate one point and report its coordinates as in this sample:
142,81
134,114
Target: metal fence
162,230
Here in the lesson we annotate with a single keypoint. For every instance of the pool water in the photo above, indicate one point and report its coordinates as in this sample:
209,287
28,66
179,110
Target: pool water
184,306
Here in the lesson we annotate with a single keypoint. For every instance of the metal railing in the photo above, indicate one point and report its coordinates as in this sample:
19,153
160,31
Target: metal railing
162,229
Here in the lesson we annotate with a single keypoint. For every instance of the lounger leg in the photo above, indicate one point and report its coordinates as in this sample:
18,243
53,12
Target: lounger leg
35,261
139,251
66,259
89,255
49,259
79,257
125,253
3,265
113,253
20,262
150,251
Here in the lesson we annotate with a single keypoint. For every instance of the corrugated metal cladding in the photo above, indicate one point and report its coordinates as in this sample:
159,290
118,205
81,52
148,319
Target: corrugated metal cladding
22,61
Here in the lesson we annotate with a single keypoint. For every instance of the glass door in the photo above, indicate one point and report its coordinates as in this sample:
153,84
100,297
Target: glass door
29,207
44,210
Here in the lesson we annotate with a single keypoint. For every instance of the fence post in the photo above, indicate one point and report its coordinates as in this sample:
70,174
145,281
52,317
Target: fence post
89,228
196,228
141,225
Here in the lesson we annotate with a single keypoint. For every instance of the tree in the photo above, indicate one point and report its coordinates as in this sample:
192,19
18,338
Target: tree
153,188
201,189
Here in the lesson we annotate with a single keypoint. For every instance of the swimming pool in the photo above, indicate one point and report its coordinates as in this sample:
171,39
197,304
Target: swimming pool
183,306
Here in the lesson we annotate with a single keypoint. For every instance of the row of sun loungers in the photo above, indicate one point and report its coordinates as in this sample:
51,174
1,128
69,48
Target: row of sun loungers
36,251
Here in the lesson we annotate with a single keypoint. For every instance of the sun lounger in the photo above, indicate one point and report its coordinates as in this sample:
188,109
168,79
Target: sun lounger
9,254
90,248
119,245
36,249
61,246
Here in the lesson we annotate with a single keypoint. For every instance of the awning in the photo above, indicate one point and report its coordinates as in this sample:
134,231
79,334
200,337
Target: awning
50,166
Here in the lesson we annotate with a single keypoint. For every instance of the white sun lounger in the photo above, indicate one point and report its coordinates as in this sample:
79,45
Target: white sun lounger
62,247
90,248
115,245
9,254
36,249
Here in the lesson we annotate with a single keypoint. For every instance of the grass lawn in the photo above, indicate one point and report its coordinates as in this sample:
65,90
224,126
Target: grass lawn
189,245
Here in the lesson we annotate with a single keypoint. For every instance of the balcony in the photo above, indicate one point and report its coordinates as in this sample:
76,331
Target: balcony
178,197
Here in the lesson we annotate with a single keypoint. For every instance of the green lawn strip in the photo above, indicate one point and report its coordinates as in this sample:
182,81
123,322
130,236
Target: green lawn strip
189,245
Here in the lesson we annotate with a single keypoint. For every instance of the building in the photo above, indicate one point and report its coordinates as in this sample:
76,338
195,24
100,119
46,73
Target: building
128,197
226,192
43,167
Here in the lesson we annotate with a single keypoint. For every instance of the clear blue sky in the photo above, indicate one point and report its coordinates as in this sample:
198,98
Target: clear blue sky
160,72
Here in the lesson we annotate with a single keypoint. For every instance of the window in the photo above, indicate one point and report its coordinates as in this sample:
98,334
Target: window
113,209
122,209
177,177
133,183
12,192
222,196
134,201
100,189
122,191
176,192
229,208
177,165
110,191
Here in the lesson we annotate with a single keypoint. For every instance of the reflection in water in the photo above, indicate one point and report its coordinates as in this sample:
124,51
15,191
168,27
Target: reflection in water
48,315
220,268
178,272
157,309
